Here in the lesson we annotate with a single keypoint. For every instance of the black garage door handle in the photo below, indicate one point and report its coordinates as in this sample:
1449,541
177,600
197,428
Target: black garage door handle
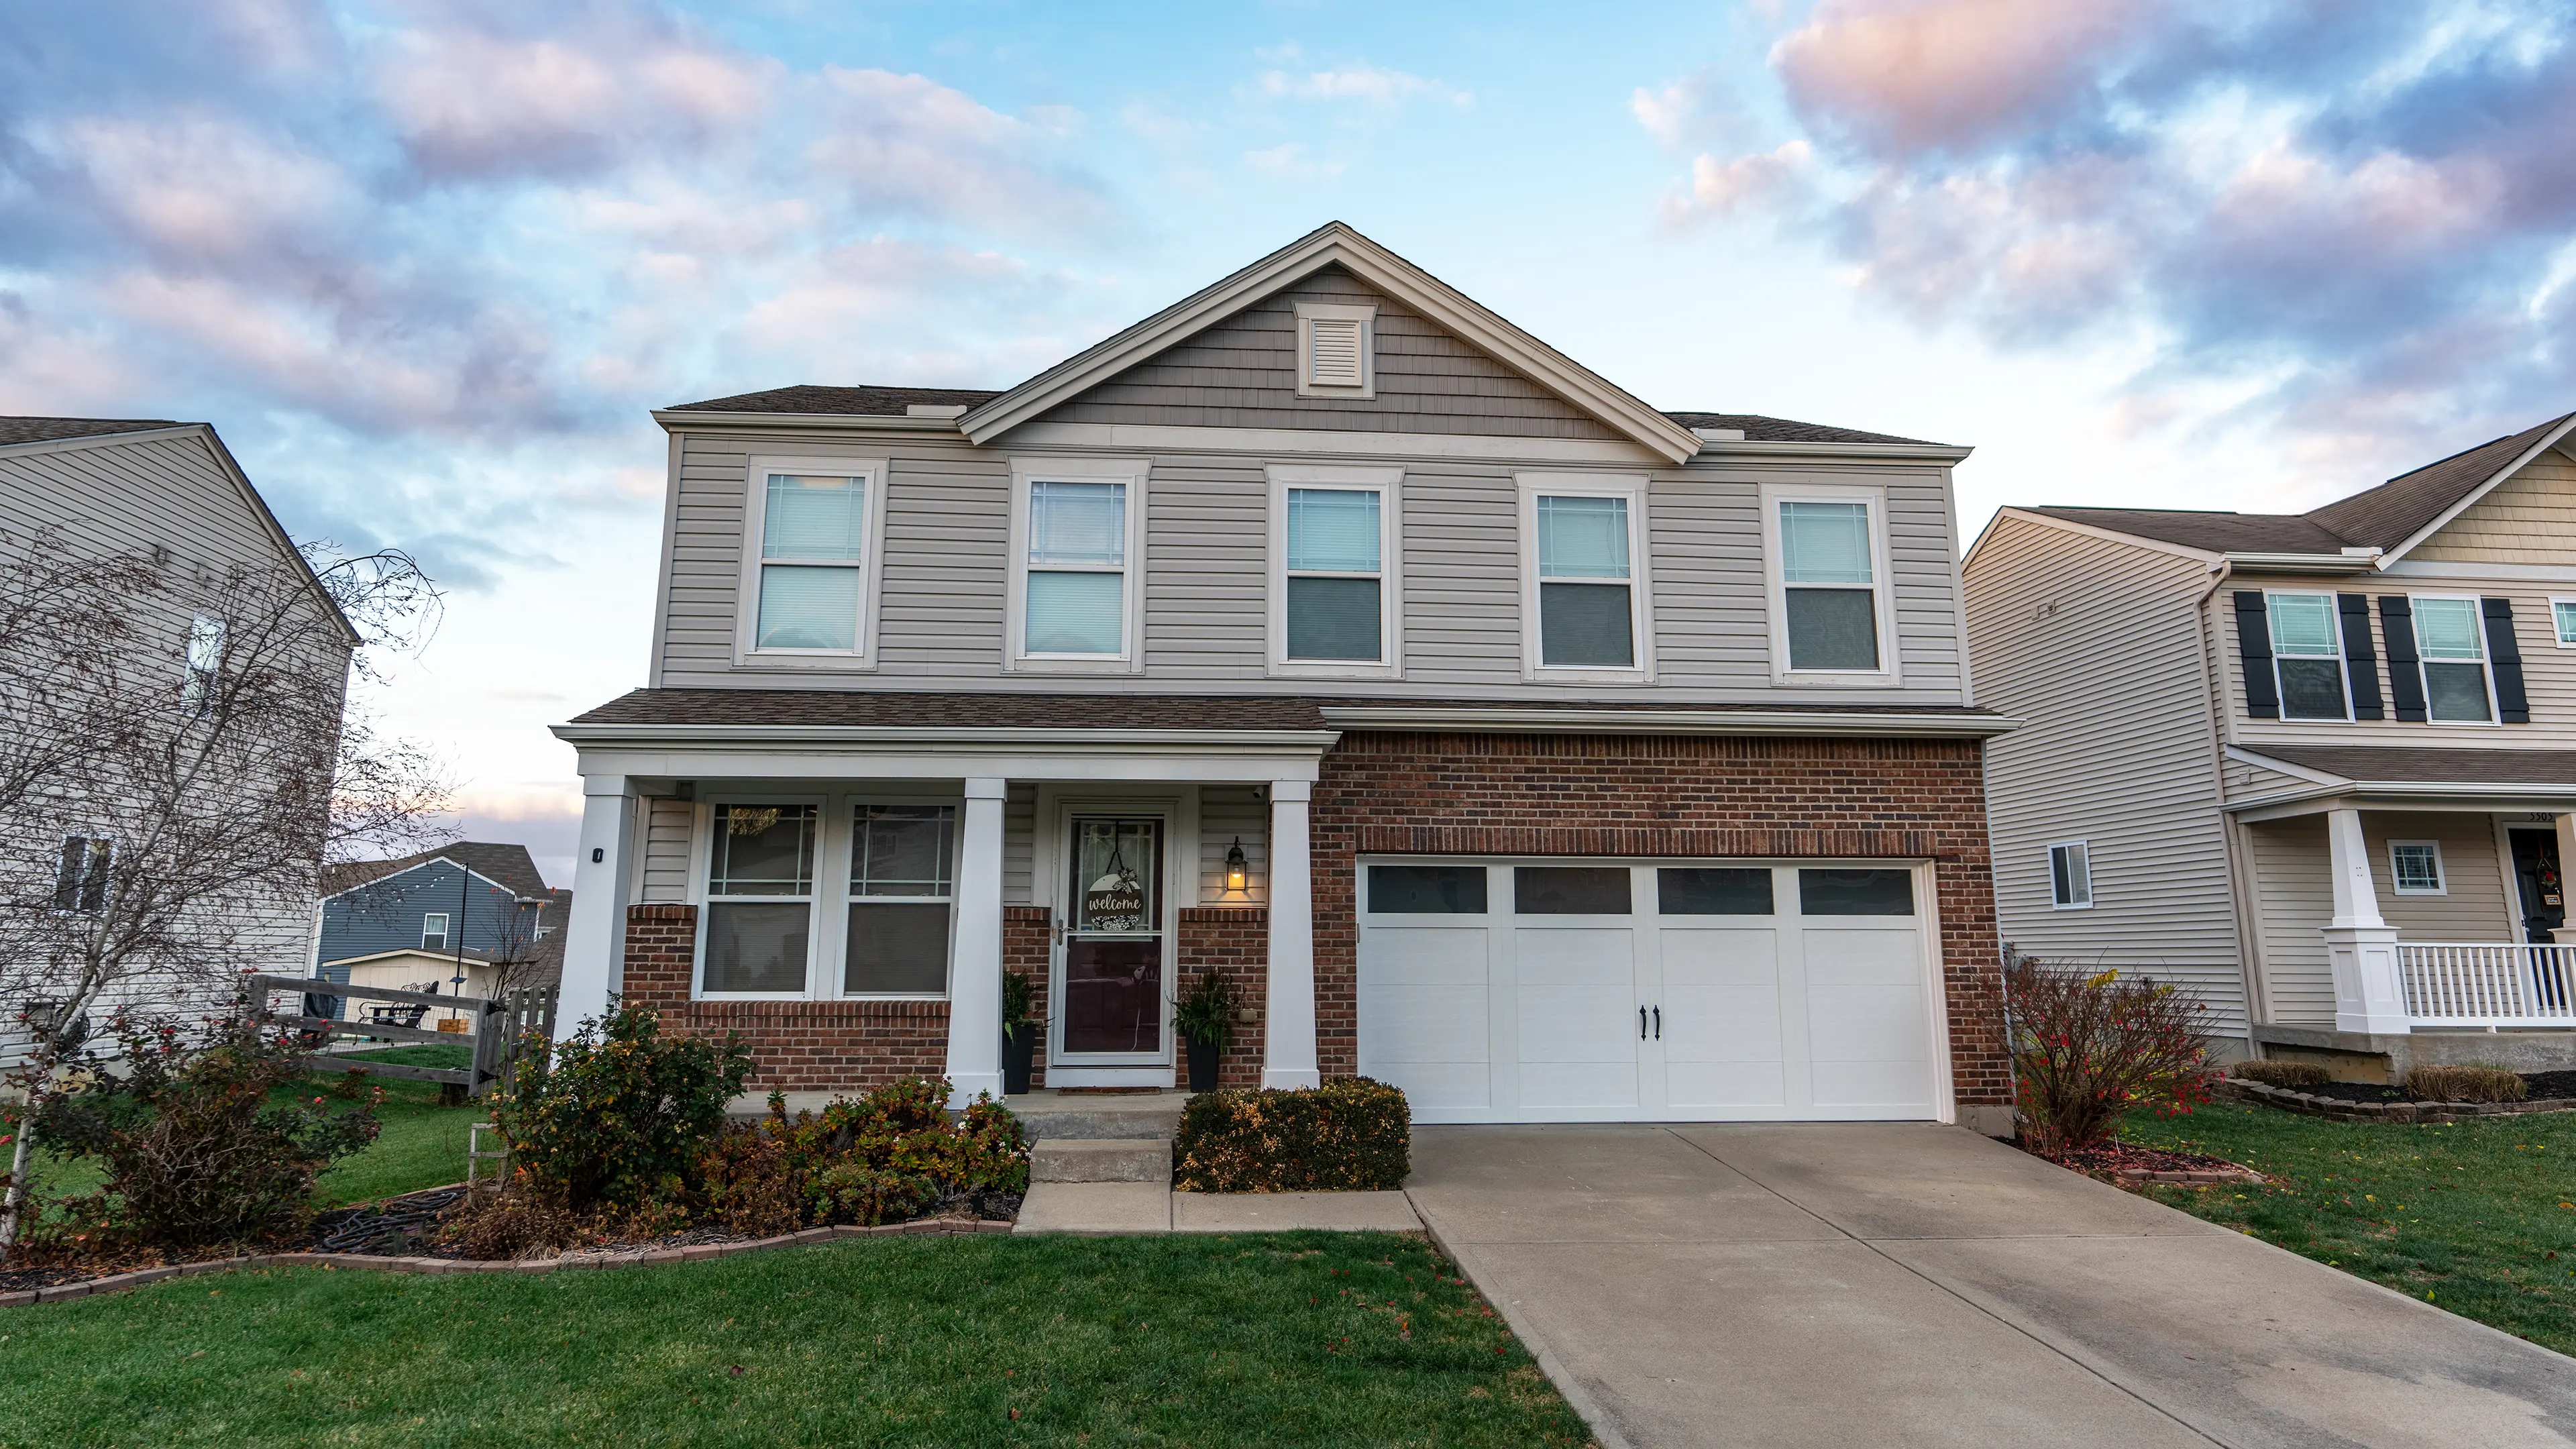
1641,1023
1659,1023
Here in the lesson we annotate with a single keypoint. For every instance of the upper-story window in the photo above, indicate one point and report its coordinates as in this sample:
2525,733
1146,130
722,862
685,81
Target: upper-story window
813,528
759,916
1076,528
2307,655
1585,610
1336,350
205,662
1333,571
2450,640
1832,615
433,931
2563,612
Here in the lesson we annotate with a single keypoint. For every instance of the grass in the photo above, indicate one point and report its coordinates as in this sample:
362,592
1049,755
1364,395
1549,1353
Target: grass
2478,1217
422,1144
1287,1339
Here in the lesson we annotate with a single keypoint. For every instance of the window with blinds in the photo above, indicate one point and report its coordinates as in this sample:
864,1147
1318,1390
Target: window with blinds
2307,656
1829,585
760,899
1077,569
813,562
1336,583
1587,616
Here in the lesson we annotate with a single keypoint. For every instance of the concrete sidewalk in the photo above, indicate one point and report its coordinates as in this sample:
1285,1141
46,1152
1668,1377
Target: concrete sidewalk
1908,1284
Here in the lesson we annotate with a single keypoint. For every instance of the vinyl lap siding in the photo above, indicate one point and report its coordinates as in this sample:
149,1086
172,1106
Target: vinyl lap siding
2295,881
1019,844
1228,813
2090,643
1206,564
2472,906
664,872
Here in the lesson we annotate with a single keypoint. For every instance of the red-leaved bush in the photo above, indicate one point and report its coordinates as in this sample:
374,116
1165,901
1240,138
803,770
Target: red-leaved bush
2087,1048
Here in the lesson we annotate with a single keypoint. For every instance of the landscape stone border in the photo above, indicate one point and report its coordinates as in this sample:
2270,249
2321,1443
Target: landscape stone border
2194,1177
569,1262
2291,1100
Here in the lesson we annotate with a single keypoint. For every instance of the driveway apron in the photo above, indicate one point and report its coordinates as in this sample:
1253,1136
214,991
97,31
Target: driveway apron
1912,1284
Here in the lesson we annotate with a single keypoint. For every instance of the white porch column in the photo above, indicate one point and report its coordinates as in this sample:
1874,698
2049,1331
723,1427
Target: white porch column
594,964
975,980
1288,1023
2566,859
2369,994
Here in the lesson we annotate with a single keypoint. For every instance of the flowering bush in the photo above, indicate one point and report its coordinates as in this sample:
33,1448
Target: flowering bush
1353,1135
618,1117
2088,1048
195,1149
884,1156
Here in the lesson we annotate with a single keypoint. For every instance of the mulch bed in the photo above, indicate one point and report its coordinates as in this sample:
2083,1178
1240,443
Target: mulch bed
2544,1086
2126,1164
406,1228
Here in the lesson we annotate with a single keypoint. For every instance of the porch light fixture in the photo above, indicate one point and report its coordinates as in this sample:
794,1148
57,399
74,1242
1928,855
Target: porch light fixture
1235,872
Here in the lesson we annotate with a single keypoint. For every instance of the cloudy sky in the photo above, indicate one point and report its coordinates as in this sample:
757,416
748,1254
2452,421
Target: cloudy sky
426,265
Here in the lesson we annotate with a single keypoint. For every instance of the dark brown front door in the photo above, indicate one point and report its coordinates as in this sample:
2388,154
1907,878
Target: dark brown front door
1113,946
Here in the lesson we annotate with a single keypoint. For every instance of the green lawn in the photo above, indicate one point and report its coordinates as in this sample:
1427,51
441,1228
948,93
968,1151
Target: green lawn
1290,1339
422,1144
2475,1217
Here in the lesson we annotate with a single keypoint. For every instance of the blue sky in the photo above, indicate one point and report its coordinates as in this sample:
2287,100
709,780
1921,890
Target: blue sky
427,264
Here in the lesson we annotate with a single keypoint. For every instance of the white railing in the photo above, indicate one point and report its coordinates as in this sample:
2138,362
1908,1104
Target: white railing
2488,983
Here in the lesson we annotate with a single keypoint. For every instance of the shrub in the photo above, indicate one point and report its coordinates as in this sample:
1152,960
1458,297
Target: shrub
195,1152
510,1222
1347,1136
2282,1074
2466,1084
2088,1048
884,1156
620,1116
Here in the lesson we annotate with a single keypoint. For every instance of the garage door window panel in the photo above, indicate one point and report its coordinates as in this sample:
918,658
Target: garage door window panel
1713,891
1560,890
1848,892
1426,890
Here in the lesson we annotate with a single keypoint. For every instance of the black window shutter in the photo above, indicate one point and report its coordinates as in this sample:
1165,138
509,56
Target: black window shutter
2405,679
2360,659
2505,656
2254,646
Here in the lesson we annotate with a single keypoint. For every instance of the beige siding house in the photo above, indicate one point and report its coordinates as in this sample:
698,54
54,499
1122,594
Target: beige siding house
2318,766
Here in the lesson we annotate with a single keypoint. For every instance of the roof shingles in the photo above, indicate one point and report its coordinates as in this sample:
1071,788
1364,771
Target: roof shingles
49,430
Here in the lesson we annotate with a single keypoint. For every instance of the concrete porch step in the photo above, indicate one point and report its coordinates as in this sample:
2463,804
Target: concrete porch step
1102,1159
1049,1115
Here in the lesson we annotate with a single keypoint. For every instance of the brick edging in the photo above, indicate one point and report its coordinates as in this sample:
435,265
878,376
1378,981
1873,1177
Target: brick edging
2337,1109
570,1262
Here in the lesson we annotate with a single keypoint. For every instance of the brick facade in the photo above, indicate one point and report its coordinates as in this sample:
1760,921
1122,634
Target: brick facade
1434,794
1427,794
1025,949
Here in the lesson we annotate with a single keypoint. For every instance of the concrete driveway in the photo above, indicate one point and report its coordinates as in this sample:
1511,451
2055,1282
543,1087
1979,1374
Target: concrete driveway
1906,1284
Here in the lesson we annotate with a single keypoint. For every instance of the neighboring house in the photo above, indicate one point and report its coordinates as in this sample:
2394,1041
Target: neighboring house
469,919
1501,737
2317,766
171,494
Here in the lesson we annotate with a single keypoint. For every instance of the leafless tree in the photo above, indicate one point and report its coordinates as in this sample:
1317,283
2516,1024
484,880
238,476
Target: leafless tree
176,762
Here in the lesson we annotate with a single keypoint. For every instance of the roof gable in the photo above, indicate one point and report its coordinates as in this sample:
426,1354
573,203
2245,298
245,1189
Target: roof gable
1336,245
508,866
2402,512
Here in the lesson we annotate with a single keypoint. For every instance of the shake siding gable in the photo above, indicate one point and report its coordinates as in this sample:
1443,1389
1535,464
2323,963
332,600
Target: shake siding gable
2528,519
2090,642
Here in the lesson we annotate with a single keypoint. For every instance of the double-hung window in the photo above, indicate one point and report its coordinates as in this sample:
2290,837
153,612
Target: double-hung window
1333,576
2070,875
902,884
2562,612
2450,640
1828,565
433,931
813,531
1584,576
205,662
759,916
2415,867
1075,572
80,874
2307,655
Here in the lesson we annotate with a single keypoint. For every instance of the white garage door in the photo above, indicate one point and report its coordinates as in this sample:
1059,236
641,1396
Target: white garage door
1583,991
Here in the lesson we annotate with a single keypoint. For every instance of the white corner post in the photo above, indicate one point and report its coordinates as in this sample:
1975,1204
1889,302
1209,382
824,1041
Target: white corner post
1288,1056
2370,995
2566,935
594,964
975,981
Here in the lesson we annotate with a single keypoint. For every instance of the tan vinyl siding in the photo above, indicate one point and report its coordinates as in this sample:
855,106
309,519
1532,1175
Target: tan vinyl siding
663,875
1228,813
2090,642
2529,518
2244,780
2294,883
1241,373
2472,906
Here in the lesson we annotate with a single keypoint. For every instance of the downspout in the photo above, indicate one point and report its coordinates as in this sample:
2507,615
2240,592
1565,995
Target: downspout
2216,693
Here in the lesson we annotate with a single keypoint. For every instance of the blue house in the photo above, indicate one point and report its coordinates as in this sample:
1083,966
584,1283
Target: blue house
470,919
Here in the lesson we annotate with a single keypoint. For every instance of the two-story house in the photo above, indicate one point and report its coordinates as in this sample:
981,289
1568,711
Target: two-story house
472,918
1502,737
2318,767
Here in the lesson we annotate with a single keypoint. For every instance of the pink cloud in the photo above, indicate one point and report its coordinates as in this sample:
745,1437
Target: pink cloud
908,143
1912,75
1719,189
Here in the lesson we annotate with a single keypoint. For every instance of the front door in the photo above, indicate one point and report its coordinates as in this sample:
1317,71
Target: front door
1112,979
2535,874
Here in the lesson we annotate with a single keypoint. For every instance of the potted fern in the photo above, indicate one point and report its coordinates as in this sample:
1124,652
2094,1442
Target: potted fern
1020,1024
1203,1017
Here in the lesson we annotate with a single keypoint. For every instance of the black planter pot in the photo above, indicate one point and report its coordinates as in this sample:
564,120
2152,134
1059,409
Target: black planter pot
1019,1049
1203,1062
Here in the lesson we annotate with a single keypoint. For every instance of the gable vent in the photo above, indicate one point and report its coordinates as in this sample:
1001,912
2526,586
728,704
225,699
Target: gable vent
1334,352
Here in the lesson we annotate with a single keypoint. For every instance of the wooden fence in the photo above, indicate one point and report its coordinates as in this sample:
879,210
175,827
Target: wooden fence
499,1035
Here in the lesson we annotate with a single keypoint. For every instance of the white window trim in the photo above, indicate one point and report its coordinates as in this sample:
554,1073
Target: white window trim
1131,656
1890,669
755,506
2486,661
2554,601
1387,483
2342,655
2441,870
114,849
2054,847
1641,609
821,932
1366,316
837,965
